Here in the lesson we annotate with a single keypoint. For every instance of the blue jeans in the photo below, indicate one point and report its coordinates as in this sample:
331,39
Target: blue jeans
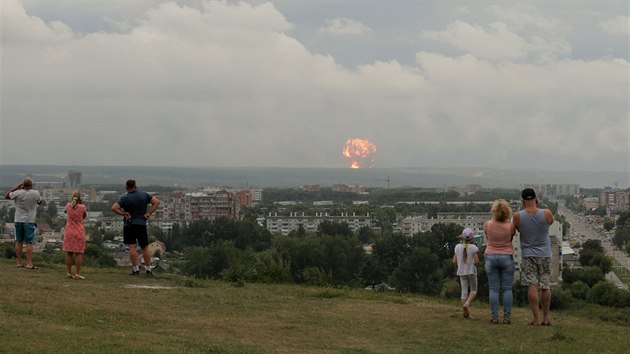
500,271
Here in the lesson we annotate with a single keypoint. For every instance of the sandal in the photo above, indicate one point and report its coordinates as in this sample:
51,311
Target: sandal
532,323
31,267
494,320
20,265
507,320
69,276
546,323
79,276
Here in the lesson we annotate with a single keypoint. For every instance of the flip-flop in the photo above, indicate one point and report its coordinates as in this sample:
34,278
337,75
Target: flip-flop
20,265
33,267
546,323
532,323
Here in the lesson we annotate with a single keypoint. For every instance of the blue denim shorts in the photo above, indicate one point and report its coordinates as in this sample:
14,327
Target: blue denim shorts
25,232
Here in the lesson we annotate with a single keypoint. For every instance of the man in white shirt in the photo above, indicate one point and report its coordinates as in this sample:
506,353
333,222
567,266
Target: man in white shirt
26,200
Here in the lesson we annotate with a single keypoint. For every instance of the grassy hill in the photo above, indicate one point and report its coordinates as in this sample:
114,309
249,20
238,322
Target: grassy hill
41,311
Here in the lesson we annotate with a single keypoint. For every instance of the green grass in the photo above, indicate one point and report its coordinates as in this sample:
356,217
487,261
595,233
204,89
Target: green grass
42,311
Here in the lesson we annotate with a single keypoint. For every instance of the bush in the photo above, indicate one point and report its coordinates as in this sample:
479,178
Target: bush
602,261
579,290
270,268
588,275
451,289
8,250
605,293
316,276
560,298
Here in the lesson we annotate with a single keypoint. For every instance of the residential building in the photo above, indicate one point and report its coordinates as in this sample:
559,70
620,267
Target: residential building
355,188
182,207
608,197
421,223
285,224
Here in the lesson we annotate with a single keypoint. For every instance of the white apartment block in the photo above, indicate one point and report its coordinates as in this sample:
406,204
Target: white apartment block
285,224
411,225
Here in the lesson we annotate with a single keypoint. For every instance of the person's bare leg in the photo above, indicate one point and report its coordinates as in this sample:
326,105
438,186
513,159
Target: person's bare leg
78,261
133,255
532,295
546,304
69,263
29,255
18,253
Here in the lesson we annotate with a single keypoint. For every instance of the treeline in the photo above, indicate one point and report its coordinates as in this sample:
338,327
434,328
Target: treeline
333,256
243,251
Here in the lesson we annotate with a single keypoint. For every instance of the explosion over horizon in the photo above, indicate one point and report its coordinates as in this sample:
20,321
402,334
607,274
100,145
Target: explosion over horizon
359,153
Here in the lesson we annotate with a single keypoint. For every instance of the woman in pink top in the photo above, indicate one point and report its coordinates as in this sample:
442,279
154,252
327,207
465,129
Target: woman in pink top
74,234
499,256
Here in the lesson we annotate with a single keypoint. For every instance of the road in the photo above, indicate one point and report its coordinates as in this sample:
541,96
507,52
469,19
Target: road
579,226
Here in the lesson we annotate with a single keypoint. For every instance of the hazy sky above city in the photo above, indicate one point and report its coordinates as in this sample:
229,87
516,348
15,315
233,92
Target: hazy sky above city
286,83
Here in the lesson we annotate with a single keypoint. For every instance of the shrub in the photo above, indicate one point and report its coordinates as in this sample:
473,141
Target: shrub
588,275
560,298
316,276
602,261
270,268
605,293
451,289
8,249
579,290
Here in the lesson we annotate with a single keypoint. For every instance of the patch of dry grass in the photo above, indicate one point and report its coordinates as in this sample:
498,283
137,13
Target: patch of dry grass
42,311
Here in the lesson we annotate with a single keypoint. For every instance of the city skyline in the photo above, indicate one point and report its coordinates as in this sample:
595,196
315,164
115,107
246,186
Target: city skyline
262,84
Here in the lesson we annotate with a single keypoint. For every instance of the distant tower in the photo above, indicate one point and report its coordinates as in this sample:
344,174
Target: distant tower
74,179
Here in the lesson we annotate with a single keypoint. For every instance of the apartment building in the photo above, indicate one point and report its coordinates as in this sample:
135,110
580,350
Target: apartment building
285,224
179,207
614,199
608,197
421,223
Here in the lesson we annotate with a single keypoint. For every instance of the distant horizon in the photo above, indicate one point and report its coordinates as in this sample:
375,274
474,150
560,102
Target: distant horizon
240,176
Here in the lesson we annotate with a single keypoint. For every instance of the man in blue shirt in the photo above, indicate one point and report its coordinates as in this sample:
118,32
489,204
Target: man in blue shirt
133,207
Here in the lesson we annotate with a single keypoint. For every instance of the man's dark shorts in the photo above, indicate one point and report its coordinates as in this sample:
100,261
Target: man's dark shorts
25,232
135,234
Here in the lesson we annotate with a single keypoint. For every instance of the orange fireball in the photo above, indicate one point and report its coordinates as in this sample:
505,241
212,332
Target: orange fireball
359,152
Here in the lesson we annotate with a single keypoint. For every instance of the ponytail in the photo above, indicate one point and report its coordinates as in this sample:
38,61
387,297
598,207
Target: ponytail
465,259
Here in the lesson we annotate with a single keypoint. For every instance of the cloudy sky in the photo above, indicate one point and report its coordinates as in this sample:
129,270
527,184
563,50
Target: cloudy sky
286,83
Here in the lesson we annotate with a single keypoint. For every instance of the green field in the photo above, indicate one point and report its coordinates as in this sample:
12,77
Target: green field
41,311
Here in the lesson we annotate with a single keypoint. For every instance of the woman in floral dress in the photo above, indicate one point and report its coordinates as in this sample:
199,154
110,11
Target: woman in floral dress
74,234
